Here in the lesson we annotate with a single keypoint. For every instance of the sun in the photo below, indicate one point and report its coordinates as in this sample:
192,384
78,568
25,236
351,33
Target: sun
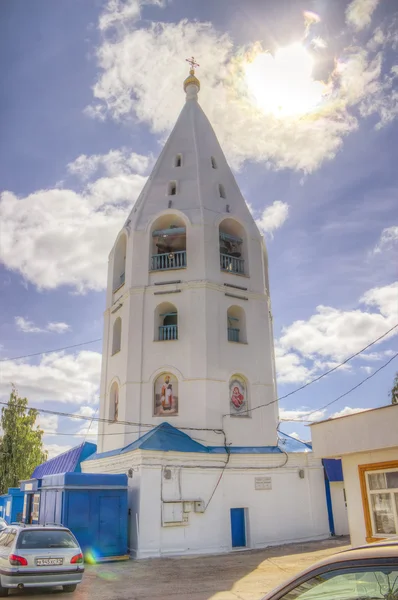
282,84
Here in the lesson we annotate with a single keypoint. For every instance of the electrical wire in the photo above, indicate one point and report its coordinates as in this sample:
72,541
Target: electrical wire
50,351
324,374
345,393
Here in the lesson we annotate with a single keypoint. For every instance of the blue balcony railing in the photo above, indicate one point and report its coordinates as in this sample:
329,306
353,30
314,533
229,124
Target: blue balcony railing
170,260
232,264
233,334
168,332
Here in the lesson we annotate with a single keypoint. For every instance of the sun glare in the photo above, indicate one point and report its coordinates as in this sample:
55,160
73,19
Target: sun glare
283,84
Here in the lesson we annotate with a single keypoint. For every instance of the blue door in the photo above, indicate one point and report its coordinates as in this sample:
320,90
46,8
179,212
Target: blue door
238,527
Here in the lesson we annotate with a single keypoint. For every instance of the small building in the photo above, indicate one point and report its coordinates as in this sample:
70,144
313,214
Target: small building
12,505
67,462
93,507
188,498
367,443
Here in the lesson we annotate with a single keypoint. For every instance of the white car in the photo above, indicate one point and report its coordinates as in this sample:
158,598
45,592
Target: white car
37,556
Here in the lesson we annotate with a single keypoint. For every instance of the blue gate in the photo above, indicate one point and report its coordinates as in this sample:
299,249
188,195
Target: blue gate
238,527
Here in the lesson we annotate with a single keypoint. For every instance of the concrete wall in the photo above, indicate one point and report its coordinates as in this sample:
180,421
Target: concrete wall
350,463
339,507
361,432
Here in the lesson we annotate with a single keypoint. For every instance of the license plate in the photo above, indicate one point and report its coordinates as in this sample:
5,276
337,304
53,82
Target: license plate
49,562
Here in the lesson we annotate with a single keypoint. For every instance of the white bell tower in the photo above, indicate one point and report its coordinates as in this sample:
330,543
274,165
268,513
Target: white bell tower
187,327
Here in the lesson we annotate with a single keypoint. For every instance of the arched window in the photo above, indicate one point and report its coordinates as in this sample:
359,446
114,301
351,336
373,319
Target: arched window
233,247
117,336
178,160
213,163
166,322
236,325
114,402
221,190
238,397
119,262
172,188
168,247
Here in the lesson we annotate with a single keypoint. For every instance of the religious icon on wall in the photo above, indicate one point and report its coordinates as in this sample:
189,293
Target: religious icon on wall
238,396
166,395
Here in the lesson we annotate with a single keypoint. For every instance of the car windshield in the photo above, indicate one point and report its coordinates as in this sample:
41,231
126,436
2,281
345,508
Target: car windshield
367,583
46,538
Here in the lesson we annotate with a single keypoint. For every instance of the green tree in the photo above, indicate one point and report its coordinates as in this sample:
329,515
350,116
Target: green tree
21,447
394,391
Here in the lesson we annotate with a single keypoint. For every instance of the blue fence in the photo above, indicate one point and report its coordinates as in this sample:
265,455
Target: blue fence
233,334
168,332
232,264
170,260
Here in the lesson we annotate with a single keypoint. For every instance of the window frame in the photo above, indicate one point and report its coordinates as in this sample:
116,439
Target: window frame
364,471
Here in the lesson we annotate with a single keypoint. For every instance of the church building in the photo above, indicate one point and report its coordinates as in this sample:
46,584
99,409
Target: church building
188,401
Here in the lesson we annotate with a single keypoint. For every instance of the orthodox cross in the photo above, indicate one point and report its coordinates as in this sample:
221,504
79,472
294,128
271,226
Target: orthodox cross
192,62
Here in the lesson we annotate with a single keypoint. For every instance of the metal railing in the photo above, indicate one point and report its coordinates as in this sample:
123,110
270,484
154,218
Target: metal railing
170,260
121,282
232,264
168,332
233,334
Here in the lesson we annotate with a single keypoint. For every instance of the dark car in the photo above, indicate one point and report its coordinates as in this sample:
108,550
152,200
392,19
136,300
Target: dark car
364,573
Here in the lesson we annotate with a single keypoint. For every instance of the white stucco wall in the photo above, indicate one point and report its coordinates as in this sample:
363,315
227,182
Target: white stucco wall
202,359
350,463
361,432
340,513
293,510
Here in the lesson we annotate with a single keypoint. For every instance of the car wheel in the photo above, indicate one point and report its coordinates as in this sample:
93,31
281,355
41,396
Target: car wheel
69,588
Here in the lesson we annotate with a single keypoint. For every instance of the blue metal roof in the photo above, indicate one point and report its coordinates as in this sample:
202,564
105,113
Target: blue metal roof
85,480
167,438
68,462
333,469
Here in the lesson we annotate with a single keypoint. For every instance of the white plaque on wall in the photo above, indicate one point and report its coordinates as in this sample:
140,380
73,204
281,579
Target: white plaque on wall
262,483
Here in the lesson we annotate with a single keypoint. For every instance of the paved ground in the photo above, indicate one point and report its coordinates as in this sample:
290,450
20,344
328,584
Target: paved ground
245,575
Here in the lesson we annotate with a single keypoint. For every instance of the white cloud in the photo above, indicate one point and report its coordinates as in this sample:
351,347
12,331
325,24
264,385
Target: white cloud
58,327
359,13
69,378
137,83
60,237
48,423
388,238
366,369
336,333
290,367
273,217
55,449
307,348
347,411
27,326
114,163
301,414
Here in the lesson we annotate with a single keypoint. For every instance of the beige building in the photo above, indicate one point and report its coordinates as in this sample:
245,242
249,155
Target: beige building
367,444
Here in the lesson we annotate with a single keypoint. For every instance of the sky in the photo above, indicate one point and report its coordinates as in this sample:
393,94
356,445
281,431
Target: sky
303,96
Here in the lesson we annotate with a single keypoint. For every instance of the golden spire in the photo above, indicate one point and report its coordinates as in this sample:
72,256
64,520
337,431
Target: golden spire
191,79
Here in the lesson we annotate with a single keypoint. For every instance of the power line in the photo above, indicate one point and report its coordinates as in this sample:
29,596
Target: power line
50,351
215,430
325,373
345,393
